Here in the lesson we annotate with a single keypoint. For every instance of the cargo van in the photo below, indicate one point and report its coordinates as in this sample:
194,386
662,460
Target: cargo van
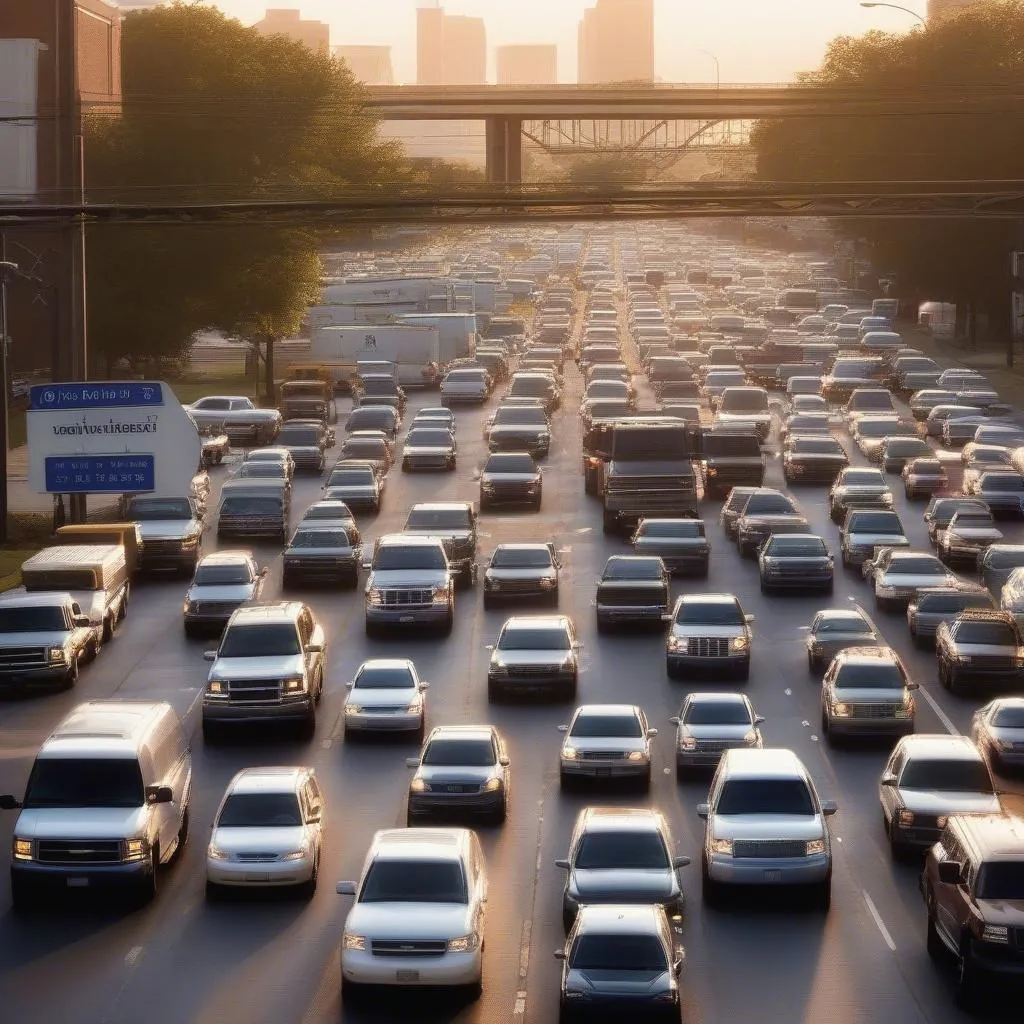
127,535
95,575
107,802
255,507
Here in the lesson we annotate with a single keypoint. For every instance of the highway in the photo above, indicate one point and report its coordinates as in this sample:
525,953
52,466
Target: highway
276,961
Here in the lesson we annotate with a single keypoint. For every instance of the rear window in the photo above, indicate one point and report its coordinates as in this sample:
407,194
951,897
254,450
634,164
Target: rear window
732,446
1002,482
878,675
995,634
951,604
685,528
875,522
438,519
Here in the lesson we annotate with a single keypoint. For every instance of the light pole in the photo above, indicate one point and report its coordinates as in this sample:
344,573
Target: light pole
718,69
7,270
897,7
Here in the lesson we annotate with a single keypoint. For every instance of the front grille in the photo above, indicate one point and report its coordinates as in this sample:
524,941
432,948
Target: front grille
324,563
773,848
454,787
306,460
256,858
715,746
707,646
811,570
989,662
407,598
875,710
215,607
532,670
396,709
249,690
655,485
630,596
603,755
22,657
78,851
515,586
162,547
408,947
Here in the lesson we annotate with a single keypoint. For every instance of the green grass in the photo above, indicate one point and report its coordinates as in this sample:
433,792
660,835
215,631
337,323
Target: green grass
190,388
10,566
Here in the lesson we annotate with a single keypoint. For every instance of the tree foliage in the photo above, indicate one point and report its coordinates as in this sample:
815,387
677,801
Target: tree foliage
213,111
981,46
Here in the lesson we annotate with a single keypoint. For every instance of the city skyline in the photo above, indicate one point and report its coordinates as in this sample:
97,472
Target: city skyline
751,40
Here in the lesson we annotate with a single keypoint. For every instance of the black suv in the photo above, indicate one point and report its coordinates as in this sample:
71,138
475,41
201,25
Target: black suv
731,458
633,590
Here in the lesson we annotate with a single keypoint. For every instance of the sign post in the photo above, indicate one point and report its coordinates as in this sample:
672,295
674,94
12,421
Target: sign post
110,437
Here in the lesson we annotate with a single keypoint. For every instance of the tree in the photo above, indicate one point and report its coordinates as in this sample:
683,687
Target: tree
962,260
214,111
608,169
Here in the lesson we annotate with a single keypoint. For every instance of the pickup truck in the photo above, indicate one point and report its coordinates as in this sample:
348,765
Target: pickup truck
43,638
238,417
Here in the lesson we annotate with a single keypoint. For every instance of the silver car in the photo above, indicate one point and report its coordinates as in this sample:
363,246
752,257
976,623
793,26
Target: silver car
223,581
386,695
935,605
896,575
606,741
534,653
866,691
997,730
429,448
708,724
968,534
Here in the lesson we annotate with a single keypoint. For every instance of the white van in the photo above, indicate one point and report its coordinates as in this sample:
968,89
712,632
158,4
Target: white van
106,802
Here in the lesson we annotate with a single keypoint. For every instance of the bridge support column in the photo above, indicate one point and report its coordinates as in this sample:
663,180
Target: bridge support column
504,145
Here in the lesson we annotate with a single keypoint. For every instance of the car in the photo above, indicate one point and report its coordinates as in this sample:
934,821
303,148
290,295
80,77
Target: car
733,507
868,402
681,544
518,572
466,386
44,638
171,531
997,563
386,695
709,633
923,401
269,667
410,583
928,777
267,832
275,455
800,404
223,581
520,428
385,418
237,416
934,605
367,446
923,478
632,590
972,887
606,741
897,574
461,770
1001,490
867,691
766,512
429,448
795,562
534,653
455,524
331,512
747,407
322,553
418,916
765,826
621,855
620,960
940,511
833,630
808,460
897,451
997,730
358,484
857,487
511,478
977,459
864,530
967,536
709,724
982,646
307,442
434,416
870,433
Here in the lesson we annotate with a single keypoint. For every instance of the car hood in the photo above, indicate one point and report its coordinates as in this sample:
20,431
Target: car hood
715,732
259,840
932,801
226,592
509,478
81,822
656,883
700,629
407,578
370,697
520,574
619,983
869,694
456,773
42,638
168,529
257,668
531,657
409,920
767,826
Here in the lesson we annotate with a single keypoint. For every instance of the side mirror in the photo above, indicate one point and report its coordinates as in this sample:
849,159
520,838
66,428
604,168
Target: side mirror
81,620
913,686
504,760
888,779
651,733
703,810
412,762
345,888
758,719
748,618
159,795
209,655
674,719
313,819
315,648
9,802
365,565
424,686
350,684
951,872
829,807
560,954
264,572
681,862
562,863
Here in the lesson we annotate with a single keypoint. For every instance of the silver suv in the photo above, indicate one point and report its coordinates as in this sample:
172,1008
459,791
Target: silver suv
866,692
709,632
410,583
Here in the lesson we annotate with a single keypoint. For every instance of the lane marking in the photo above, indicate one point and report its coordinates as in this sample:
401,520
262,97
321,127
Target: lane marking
133,956
940,714
873,910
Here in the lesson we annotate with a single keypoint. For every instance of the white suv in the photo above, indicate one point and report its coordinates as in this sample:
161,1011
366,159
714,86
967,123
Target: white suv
418,918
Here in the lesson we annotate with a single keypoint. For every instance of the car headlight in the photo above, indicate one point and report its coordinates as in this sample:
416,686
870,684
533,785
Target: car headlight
688,743
294,855
464,944
353,709
135,849
994,933
739,643
941,820
815,846
491,785
441,595
570,754
750,738
722,846
498,667
214,852
840,710
22,849
675,643
906,817
219,686
294,685
374,596
636,755
57,655
417,785
547,582
353,942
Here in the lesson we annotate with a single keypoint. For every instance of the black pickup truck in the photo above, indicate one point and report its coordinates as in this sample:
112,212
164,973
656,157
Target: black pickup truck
731,459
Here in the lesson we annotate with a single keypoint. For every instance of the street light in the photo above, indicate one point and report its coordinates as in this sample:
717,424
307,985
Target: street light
896,7
8,271
718,70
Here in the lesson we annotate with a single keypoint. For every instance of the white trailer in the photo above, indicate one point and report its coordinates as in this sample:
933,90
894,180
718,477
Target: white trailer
457,332
389,291
347,314
414,349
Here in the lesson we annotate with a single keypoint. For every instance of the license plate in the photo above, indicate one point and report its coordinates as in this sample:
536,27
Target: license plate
78,883
407,618
407,977
773,876
259,876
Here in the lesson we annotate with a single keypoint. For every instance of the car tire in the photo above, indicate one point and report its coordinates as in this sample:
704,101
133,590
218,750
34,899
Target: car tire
214,892
645,782
826,732
122,611
765,589
570,689
702,572
182,839
307,727
372,630
681,773
553,598
965,981
602,624
148,887
108,630
501,814
71,677
448,624
308,889
565,782
743,674
900,852
609,523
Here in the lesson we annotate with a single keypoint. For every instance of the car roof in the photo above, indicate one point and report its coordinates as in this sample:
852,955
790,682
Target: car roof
537,622
226,557
776,762
272,611
462,732
606,710
620,819
386,663
537,545
714,697
408,540
842,613
940,745
420,843
996,836
708,599
282,779
441,506
867,656
625,919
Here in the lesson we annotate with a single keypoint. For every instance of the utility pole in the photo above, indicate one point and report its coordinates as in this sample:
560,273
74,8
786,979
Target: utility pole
6,270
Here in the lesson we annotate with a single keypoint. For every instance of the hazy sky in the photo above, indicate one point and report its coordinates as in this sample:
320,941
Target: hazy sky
754,40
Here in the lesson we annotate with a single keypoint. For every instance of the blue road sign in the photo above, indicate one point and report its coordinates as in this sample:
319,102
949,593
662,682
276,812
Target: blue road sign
100,474
101,395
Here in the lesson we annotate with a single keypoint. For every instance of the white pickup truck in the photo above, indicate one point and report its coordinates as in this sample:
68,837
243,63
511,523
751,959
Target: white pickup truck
238,417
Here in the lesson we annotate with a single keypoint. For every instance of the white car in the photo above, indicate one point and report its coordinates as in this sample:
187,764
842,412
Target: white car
605,741
998,732
386,695
267,832
418,918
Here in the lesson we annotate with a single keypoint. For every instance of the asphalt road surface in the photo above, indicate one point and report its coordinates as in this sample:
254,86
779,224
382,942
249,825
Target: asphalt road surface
276,961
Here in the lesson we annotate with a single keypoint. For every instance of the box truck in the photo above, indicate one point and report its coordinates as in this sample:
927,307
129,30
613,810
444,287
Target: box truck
422,291
414,349
457,332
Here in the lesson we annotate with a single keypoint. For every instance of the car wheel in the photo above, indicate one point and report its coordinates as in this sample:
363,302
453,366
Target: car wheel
122,612
765,589
569,689
307,726
372,631
501,813
825,731
943,672
308,889
743,673
899,851
609,523
681,773
71,677
553,598
565,782
108,630
148,887
214,892
645,782
935,946
602,624
182,837
488,601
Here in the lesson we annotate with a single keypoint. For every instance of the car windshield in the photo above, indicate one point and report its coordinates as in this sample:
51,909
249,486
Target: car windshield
308,436
863,478
876,522
633,569
963,520
413,556
260,640
871,400
260,810
520,415
924,565
85,782
334,510
989,634
223,575
438,519
765,796
604,409
599,851
710,613
1001,880
429,437
510,464
689,528
607,726
738,498
878,428
905,446
451,753
796,547
717,712
741,400
826,446
842,624
957,776
1002,482
923,466
1009,717
383,677
521,558
768,504
250,505
351,478
990,457
365,447
877,675
410,881
618,952
32,619
943,512
320,539
371,419
952,604
143,510
529,638
262,469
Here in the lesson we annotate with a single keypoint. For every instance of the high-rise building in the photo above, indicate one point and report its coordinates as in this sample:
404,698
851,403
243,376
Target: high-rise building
527,64
451,49
371,65
283,21
940,8
616,42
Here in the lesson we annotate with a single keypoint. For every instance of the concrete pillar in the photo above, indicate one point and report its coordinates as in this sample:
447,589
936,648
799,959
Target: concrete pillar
513,151
497,153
